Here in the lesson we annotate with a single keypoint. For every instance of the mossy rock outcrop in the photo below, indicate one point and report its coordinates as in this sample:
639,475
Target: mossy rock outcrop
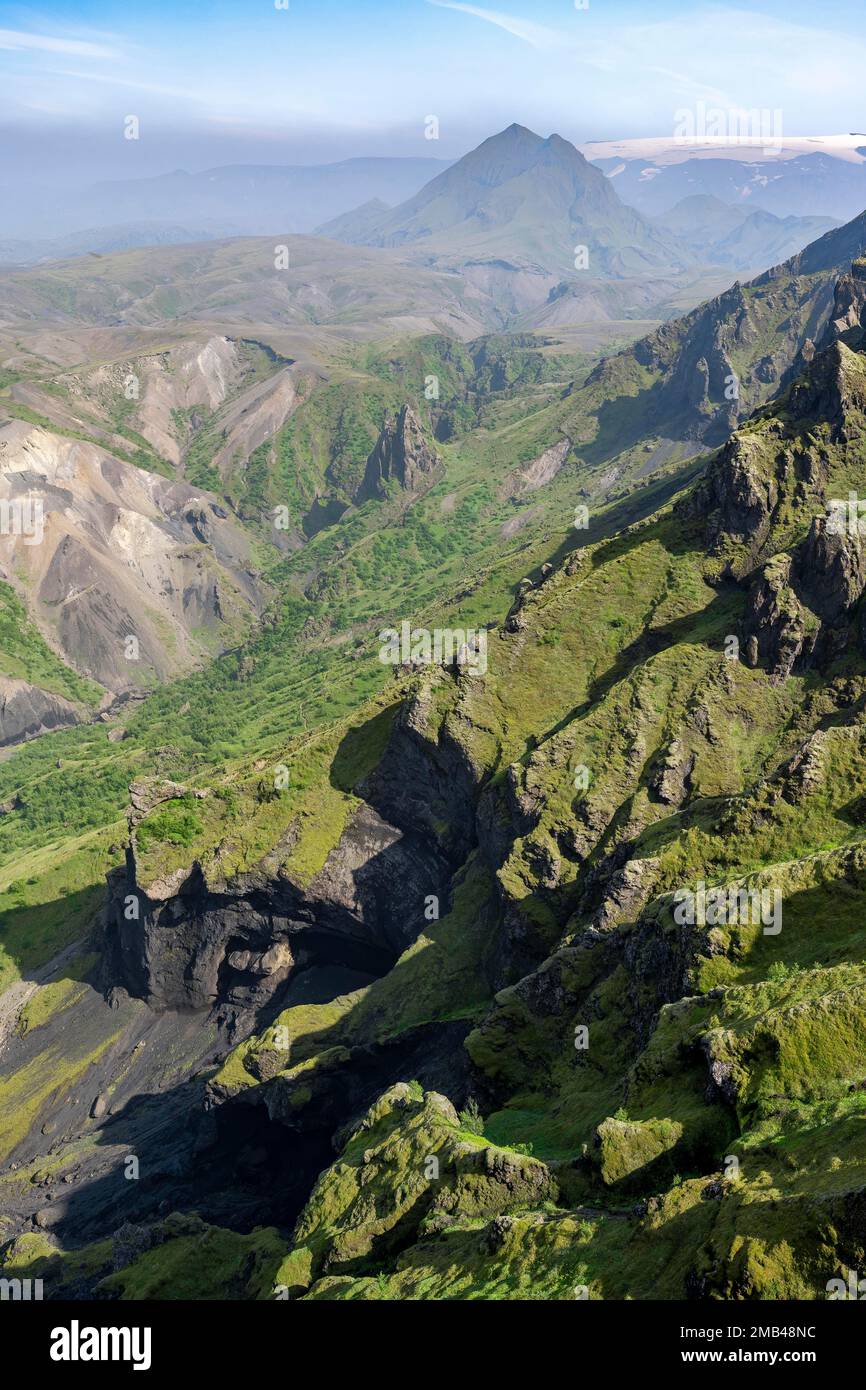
632,1149
407,1163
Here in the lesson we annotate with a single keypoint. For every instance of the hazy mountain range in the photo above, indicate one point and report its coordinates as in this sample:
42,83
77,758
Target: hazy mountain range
237,200
259,200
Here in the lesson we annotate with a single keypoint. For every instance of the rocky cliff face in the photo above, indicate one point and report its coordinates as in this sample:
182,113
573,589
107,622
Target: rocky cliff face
776,465
849,302
402,455
26,711
801,607
704,387
714,366
196,940
196,943
803,590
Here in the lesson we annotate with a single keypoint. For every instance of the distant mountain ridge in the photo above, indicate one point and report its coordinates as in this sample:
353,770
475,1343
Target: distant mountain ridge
804,186
740,235
234,200
97,241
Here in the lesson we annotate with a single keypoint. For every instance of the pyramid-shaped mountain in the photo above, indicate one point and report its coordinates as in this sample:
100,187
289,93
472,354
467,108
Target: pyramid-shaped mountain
527,200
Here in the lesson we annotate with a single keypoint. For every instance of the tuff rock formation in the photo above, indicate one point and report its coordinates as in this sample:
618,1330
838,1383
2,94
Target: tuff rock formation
401,455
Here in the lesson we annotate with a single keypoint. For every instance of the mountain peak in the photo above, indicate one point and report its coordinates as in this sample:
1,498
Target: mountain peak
516,131
560,144
502,155
525,199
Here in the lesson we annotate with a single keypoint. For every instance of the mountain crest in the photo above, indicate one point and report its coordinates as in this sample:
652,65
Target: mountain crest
772,469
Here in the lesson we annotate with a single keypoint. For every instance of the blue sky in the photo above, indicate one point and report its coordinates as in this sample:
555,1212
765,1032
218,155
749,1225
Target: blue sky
327,79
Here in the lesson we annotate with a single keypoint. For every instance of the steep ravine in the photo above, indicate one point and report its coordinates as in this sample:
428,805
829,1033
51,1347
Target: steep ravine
199,965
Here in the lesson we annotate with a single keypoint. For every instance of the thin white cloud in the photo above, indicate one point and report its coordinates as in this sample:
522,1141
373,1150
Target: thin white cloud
537,35
687,86
725,54
16,41
112,80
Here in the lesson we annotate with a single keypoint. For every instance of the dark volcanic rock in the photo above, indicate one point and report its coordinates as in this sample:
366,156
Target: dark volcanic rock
401,454
800,606
193,941
849,304
27,711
